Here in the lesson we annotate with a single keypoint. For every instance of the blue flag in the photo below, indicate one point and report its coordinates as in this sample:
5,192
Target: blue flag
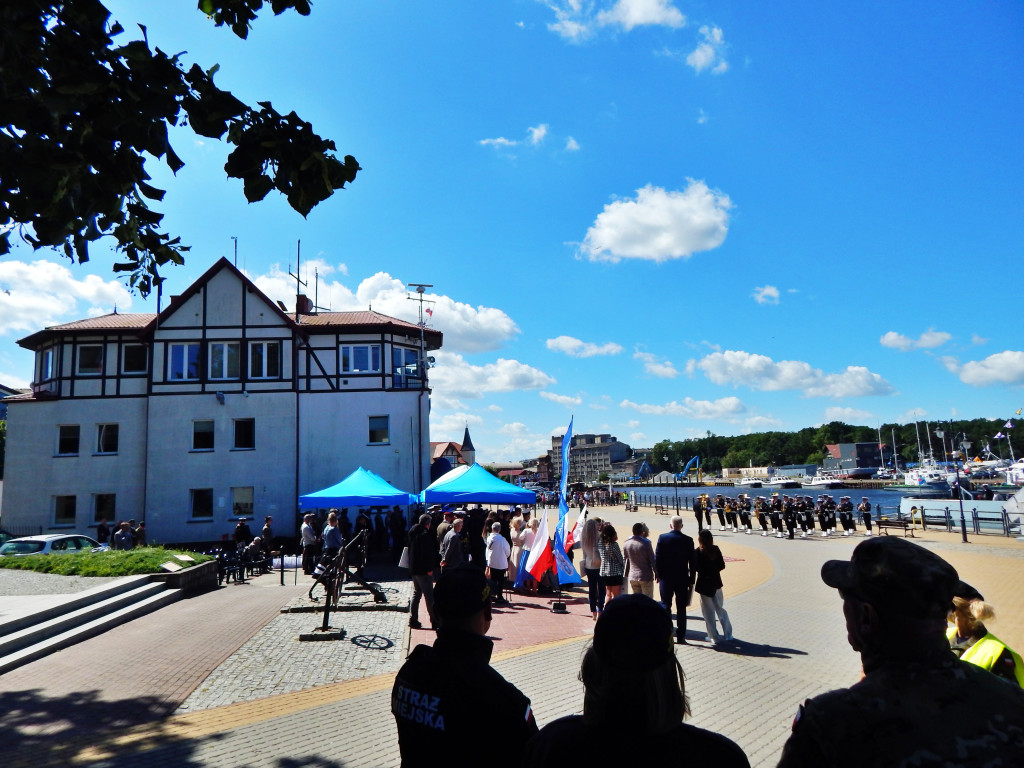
566,573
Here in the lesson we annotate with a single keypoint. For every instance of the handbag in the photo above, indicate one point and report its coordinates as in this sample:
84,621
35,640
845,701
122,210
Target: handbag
403,561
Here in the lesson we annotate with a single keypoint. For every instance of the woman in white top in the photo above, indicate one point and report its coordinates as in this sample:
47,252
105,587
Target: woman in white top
528,536
517,529
498,554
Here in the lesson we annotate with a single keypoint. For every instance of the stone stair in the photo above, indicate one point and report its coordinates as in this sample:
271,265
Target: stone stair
31,634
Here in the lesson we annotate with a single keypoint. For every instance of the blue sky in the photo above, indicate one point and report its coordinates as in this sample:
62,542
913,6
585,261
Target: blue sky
663,218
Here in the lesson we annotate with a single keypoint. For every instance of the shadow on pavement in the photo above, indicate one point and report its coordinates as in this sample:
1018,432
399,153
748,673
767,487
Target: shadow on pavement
755,650
38,731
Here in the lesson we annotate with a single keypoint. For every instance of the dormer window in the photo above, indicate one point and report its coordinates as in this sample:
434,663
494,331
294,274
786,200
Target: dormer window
135,359
184,364
224,360
90,360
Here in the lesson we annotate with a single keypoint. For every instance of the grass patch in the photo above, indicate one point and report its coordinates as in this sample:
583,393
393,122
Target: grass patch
133,562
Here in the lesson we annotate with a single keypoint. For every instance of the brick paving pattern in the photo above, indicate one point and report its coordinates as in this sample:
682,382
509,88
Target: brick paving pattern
221,680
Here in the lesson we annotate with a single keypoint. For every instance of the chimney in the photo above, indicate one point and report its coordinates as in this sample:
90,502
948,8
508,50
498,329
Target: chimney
303,305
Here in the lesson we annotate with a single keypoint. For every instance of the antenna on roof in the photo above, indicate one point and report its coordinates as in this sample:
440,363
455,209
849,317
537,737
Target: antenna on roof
236,249
299,284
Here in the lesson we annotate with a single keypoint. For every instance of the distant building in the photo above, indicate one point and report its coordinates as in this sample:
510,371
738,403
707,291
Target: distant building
446,456
222,406
853,459
590,456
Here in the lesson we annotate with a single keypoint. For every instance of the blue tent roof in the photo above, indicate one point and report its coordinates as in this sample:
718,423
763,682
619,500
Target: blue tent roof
362,488
474,483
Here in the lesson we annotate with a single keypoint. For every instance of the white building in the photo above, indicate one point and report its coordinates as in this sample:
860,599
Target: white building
223,405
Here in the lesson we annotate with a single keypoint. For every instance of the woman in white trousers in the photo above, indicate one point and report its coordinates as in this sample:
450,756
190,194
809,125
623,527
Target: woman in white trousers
710,565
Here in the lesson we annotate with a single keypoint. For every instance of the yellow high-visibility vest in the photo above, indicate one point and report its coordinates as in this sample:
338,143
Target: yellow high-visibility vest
987,651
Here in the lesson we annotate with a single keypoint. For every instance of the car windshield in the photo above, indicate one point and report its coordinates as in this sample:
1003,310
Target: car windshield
21,547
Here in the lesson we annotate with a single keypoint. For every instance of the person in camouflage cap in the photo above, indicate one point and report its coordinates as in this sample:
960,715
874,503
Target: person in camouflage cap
917,705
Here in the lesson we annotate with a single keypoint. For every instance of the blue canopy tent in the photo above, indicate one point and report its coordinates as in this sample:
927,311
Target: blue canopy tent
360,489
474,483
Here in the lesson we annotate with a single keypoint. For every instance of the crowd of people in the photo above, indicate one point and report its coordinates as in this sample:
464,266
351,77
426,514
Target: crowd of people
781,516
126,534
922,704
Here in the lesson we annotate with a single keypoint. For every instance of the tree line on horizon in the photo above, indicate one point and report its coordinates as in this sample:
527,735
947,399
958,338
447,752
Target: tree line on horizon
807,446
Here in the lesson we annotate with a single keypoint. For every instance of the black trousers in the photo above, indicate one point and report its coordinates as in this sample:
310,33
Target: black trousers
681,592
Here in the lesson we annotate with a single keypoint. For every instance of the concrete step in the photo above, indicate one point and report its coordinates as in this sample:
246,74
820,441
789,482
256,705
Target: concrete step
53,632
41,608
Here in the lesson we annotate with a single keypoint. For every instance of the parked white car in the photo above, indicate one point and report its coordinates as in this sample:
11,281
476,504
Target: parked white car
51,543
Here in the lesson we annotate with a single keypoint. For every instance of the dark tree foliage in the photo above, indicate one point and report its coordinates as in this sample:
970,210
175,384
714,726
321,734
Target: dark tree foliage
807,446
80,114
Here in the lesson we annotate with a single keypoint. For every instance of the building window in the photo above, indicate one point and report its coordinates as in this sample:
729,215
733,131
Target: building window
64,509
104,506
90,360
241,501
379,432
360,358
404,365
106,438
202,435
224,360
184,362
47,364
265,360
245,434
135,360
201,502
67,439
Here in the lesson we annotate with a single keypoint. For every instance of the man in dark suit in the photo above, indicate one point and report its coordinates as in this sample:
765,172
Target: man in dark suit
676,565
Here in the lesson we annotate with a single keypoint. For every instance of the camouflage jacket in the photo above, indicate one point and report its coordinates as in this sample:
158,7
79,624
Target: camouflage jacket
948,713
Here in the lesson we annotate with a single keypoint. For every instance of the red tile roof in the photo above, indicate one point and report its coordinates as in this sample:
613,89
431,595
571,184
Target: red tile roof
113,321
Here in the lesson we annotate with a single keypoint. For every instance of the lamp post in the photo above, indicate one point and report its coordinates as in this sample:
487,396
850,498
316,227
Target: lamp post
942,435
966,446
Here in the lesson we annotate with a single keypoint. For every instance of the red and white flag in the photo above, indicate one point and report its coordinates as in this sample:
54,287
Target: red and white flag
541,558
577,530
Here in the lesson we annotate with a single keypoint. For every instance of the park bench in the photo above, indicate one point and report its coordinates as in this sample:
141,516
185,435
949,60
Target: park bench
661,510
903,525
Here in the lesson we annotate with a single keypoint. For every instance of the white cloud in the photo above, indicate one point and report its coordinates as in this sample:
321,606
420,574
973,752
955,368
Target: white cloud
577,348
930,339
761,423
571,145
629,14
659,225
495,408
1001,368
501,141
663,369
767,294
520,443
15,381
465,328
702,117
847,415
762,373
455,377
451,425
709,53
577,20
976,339
723,408
534,136
561,399
38,294
635,438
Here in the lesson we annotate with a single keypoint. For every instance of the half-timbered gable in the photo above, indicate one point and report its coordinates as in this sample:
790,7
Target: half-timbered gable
222,406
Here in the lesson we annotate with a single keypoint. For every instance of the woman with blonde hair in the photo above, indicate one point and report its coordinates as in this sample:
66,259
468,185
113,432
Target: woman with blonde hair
592,564
530,583
517,531
973,643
